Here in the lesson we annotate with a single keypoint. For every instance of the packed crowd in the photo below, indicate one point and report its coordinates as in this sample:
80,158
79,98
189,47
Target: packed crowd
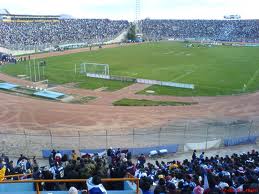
23,165
201,174
97,30
238,173
63,32
218,30
6,58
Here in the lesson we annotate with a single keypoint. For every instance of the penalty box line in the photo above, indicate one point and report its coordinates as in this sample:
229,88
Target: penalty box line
183,75
252,79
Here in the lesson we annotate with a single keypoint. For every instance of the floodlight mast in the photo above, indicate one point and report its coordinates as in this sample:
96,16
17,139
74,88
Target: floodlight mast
138,17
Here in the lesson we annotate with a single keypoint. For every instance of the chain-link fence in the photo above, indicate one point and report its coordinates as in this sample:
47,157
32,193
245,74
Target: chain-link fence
31,142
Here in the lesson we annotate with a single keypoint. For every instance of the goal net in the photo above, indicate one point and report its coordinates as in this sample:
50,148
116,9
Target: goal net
94,68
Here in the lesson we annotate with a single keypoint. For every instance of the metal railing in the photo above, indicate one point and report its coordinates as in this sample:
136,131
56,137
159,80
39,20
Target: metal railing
19,176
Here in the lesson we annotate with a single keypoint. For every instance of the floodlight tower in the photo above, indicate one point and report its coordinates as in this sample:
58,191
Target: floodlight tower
138,17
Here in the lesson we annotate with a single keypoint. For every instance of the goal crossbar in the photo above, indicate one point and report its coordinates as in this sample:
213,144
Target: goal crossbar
93,67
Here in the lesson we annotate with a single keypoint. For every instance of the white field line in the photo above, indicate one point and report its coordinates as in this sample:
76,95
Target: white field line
170,52
252,79
183,75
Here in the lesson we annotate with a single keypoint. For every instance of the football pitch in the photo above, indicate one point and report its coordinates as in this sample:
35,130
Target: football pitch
216,70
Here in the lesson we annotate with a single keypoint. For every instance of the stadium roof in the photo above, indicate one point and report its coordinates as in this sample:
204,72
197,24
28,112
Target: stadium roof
30,15
4,12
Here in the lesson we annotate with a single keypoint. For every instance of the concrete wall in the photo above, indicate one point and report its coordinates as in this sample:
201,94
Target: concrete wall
28,188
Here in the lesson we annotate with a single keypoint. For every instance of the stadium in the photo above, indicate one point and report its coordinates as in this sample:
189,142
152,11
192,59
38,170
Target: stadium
143,106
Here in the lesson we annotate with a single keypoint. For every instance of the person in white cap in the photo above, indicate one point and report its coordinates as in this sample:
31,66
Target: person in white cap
73,190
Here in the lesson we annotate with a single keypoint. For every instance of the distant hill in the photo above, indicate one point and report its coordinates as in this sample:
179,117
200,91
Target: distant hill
4,11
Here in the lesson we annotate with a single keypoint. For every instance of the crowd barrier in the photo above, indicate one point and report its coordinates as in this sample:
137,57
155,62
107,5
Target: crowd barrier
47,153
240,140
163,83
15,187
171,148
131,186
18,176
202,145
98,76
123,79
142,81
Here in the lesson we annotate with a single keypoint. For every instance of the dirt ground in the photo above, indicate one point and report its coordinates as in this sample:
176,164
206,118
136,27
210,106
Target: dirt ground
22,112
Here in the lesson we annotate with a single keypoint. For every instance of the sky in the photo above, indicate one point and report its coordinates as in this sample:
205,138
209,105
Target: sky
125,9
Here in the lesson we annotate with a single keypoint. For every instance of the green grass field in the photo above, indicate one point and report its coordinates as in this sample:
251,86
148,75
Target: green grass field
143,102
219,70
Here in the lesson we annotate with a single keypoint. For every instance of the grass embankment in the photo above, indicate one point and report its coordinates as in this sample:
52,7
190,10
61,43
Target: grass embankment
143,102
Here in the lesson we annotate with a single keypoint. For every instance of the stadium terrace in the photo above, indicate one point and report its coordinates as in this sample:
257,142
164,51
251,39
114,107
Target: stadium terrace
100,30
145,101
200,174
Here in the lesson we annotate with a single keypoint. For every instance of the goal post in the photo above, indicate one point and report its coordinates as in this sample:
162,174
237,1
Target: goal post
93,68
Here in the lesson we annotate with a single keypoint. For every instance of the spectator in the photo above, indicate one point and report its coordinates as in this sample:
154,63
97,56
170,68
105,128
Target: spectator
67,31
198,190
22,157
145,184
202,156
2,170
215,30
228,174
51,160
74,155
4,158
73,190
170,187
53,152
10,168
58,157
47,175
194,155
95,186
161,187
141,161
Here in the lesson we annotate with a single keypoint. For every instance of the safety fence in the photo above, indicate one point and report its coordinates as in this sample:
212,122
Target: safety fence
163,83
143,81
177,137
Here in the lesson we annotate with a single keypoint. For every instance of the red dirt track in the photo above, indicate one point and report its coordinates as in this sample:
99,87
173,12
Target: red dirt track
23,112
